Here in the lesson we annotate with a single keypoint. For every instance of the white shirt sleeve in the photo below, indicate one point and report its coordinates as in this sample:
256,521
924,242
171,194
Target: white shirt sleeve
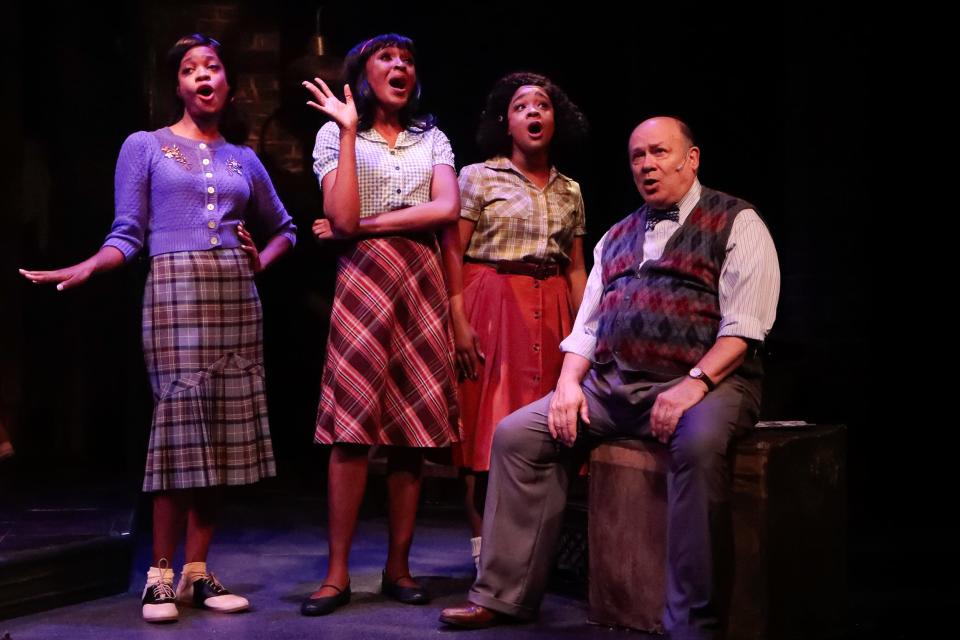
749,280
582,339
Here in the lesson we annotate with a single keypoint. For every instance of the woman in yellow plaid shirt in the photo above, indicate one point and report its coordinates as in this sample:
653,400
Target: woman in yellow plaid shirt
521,231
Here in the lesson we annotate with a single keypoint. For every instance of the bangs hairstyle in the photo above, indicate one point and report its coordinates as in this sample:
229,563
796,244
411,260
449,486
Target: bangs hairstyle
355,74
571,127
232,126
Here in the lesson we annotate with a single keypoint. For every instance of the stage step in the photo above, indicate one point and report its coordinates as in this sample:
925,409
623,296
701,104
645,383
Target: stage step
63,543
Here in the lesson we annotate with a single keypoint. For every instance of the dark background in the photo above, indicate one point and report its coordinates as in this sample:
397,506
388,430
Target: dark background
783,101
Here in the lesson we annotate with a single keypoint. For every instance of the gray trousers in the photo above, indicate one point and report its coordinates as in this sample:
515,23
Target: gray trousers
527,492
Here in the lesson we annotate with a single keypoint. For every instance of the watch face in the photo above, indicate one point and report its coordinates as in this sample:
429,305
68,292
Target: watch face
696,372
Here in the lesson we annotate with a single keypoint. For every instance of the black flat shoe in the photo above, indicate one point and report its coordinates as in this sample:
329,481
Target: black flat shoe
406,595
327,604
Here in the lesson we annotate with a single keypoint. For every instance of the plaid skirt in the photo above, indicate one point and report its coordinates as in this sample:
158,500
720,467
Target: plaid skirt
388,377
202,341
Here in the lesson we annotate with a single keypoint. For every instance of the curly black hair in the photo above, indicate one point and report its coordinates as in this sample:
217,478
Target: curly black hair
355,75
572,127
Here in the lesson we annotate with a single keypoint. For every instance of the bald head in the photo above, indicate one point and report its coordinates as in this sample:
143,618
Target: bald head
669,124
663,159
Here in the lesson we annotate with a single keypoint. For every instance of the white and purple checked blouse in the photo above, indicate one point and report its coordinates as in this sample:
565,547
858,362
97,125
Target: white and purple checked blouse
389,178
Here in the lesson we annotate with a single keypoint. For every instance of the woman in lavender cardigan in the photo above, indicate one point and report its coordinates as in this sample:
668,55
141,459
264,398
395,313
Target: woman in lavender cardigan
183,193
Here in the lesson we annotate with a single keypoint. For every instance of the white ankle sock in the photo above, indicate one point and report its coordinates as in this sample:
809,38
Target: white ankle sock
475,544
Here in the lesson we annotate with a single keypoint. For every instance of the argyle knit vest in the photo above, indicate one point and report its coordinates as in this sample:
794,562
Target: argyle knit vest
663,317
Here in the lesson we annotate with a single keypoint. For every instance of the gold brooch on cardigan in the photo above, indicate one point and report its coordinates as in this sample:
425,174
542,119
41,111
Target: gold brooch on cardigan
173,152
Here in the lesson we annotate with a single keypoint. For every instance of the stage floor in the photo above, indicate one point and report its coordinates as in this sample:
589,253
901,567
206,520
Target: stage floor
272,549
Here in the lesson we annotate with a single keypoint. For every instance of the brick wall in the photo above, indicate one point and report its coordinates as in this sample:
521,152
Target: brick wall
254,44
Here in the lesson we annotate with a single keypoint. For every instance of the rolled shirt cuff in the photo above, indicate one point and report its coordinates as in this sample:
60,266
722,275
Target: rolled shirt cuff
581,344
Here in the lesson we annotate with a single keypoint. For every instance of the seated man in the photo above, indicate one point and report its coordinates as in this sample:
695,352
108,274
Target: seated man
681,294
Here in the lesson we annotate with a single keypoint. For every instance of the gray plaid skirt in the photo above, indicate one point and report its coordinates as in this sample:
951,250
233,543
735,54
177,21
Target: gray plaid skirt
202,341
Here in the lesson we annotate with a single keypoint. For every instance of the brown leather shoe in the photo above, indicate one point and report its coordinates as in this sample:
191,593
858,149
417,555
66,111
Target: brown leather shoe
471,616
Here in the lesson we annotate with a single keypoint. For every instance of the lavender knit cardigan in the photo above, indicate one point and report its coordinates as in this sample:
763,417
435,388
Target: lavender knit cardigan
177,194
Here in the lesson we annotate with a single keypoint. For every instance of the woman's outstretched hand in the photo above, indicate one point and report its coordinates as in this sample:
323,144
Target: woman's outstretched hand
344,113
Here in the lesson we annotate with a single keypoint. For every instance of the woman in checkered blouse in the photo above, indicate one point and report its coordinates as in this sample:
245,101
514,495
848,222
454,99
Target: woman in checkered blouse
521,227
389,185
183,193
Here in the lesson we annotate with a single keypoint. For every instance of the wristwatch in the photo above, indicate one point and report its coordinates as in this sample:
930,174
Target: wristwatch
697,374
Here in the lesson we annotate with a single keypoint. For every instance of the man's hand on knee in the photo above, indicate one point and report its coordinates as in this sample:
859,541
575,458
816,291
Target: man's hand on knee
567,403
671,405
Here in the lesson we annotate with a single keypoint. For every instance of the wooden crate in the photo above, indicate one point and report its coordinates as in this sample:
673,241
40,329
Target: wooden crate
789,534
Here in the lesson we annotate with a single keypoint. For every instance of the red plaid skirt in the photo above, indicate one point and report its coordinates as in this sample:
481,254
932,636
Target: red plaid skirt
388,377
202,341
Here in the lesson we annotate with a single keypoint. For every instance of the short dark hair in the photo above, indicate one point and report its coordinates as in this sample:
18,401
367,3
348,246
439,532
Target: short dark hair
571,130
232,126
355,75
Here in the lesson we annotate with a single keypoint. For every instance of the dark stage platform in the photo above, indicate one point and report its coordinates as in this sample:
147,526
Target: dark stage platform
64,538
